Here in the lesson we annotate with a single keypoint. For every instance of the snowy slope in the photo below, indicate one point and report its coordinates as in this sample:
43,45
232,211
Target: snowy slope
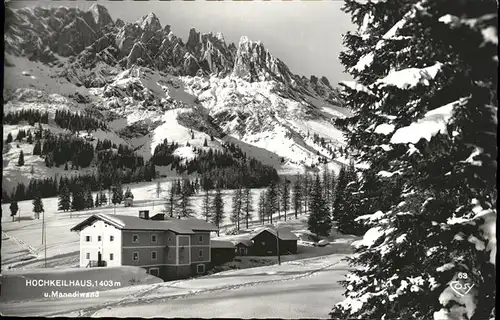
63,245
232,294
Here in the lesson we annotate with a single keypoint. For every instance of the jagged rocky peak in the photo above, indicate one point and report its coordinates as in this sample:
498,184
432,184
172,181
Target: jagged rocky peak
254,62
101,15
167,29
202,41
193,40
119,23
150,22
325,81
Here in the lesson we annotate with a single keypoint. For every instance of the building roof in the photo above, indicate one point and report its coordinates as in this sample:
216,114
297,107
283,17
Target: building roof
246,242
221,244
283,233
123,222
194,224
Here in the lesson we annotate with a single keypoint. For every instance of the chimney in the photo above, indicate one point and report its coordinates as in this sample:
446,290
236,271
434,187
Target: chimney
144,214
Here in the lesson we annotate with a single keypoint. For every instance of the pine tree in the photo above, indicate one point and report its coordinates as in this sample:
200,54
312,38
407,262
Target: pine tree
429,148
64,202
37,205
205,143
333,184
319,221
37,148
20,161
185,209
29,139
97,202
237,207
218,207
158,189
89,201
117,197
305,191
247,204
128,193
9,138
14,208
102,198
206,205
66,166
262,203
196,185
272,200
171,201
20,193
20,135
297,196
340,190
285,196
326,184
78,198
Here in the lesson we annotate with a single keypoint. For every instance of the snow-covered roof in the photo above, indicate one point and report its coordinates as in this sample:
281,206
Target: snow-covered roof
221,244
283,234
122,222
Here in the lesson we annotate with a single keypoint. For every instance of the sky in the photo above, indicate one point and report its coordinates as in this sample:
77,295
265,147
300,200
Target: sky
306,35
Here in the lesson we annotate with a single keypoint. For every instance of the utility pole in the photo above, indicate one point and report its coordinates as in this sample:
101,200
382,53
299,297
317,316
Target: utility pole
278,244
45,240
43,227
19,215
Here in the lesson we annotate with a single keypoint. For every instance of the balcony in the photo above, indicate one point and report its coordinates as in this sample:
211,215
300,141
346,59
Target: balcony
96,263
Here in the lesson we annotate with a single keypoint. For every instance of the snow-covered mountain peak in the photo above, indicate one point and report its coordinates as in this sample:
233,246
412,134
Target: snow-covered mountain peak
149,22
220,36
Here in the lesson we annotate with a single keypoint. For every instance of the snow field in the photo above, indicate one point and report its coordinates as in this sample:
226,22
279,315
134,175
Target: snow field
17,283
63,245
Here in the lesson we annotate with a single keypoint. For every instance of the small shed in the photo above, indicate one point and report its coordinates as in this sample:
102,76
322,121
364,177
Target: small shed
128,202
243,247
221,251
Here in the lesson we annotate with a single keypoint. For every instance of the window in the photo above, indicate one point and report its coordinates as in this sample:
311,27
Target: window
87,255
153,238
200,239
153,255
111,238
135,256
98,238
135,238
88,239
154,271
200,268
111,256
200,253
